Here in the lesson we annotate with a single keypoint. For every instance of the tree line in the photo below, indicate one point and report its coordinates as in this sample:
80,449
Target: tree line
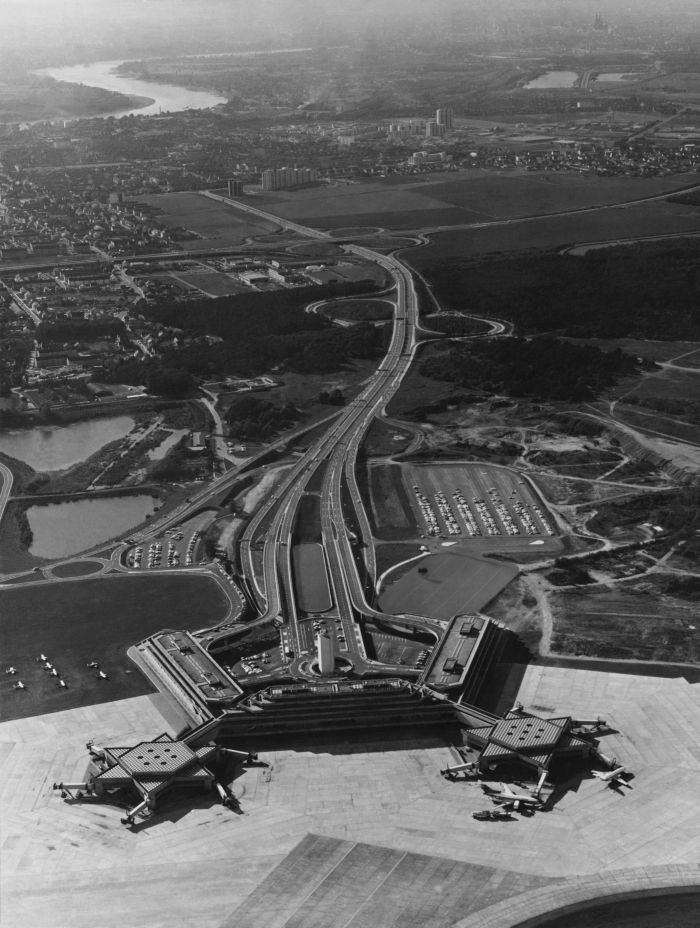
544,368
647,291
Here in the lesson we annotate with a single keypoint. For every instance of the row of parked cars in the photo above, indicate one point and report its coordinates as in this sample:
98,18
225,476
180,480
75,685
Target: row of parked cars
503,511
447,514
427,511
422,658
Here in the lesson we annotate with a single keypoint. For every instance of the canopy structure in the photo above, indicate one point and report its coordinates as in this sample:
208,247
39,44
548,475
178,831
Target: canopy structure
150,768
528,738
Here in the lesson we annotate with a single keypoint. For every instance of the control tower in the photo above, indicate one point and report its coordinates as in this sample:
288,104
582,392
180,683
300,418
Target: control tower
325,655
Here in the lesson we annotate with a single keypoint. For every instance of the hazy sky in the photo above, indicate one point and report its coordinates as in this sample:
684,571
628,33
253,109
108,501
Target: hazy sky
99,23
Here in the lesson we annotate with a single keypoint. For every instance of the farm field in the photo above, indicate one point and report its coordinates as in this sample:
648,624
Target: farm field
610,225
444,585
215,224
461,197
76,621
624,625
357,208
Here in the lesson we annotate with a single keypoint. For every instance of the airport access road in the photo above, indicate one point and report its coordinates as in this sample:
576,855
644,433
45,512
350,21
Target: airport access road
265,546
336,452
6,488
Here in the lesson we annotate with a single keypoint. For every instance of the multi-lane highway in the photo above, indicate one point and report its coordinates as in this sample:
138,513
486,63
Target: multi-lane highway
265,546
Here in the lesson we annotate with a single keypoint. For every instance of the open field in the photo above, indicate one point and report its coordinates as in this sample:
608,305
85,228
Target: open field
390,553
358,310
628,625
692,359
214,223
390,506
590,463
651,421
669,383
461,197
357,208
210,282
307,527
685,354
76,569
76,621
385,438
444,585
548,232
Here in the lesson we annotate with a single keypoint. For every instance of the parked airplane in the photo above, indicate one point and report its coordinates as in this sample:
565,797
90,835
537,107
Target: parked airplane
505,796
467,768
18,685
63,684
11,670
93,665
102,675
612,778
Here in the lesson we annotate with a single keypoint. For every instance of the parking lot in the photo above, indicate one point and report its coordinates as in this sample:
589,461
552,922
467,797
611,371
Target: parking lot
179,546
330,625
476,501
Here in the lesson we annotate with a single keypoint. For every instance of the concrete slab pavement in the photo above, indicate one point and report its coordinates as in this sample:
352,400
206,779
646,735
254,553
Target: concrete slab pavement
63,864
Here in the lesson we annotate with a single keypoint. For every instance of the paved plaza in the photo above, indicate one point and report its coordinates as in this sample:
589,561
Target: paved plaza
387,829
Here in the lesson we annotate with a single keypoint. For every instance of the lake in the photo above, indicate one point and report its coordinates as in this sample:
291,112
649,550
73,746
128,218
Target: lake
63,529
52,448
552,80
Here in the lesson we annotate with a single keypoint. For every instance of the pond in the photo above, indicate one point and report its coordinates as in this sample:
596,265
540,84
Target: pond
52,448
63,529
553,80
